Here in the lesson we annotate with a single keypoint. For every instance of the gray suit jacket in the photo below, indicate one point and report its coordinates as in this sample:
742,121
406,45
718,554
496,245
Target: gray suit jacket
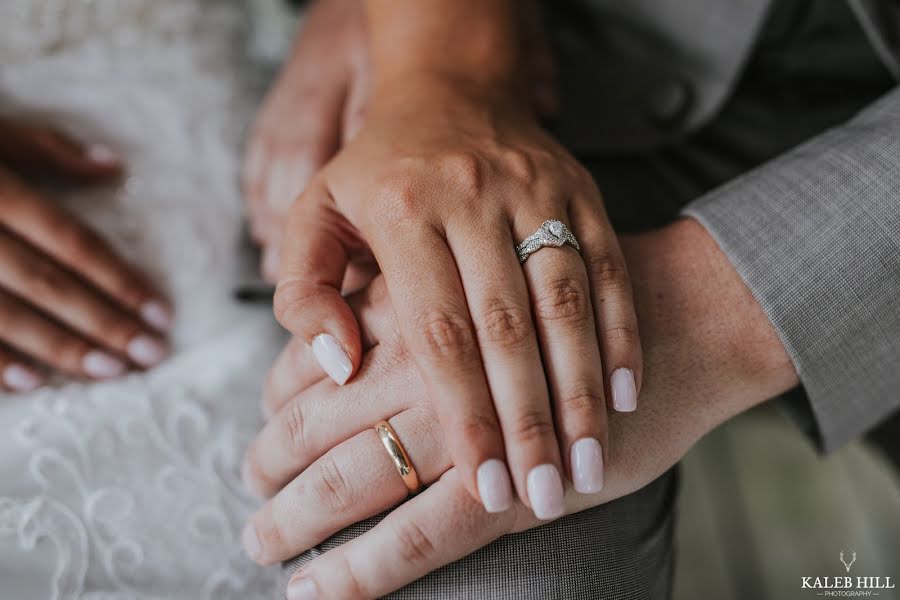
815,233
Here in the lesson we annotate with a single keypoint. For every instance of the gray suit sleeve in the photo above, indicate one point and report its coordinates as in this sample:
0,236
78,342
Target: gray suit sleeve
815,234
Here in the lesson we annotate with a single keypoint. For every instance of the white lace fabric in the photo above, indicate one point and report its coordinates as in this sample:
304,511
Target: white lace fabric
130,489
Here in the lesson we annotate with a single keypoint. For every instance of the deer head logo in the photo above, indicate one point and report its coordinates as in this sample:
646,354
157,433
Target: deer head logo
849,563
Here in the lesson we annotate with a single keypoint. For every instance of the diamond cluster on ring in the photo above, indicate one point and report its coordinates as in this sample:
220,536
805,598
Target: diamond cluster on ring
552,233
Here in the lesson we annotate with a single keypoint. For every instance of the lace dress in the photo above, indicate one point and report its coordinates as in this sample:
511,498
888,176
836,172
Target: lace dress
130,489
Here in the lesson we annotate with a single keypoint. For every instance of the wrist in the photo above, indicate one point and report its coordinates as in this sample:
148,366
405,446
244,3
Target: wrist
703,320
459,100
476,43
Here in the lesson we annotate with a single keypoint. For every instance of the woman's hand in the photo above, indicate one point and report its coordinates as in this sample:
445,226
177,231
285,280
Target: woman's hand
711,353
66,300
316,105
319,103
440,185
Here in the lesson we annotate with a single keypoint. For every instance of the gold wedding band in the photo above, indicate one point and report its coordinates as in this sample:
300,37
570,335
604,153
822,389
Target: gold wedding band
398,455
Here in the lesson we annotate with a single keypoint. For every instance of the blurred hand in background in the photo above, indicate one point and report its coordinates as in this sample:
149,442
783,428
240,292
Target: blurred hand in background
67,301
319,103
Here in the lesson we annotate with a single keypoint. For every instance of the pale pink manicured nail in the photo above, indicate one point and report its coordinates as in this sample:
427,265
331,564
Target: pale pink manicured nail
545,492
101,153
624,390
332,358
494,486
146,351
251,542
302,589
100,365
587,466
156,314
21,379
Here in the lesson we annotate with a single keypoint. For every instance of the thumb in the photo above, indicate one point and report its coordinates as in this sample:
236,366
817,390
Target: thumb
317,246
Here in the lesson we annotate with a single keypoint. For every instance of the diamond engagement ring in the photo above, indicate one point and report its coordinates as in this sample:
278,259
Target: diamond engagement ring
552,233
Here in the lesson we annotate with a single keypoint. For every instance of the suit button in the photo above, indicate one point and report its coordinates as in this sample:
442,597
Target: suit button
669,104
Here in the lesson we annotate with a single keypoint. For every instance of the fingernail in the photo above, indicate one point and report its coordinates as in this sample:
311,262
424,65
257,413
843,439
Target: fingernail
494,486
545,492
101,153
251,542
146,351
624,390
21,379
332,358
587,466
100,365
302,589
156,314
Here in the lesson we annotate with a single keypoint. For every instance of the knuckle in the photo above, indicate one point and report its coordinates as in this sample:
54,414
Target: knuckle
520,164
255,476
444,334
585,400
398,200
415,546
295,429
621,335
291,298
581,176
479,427
532,426
395,357
330,487
505,324
271,533
563,299
354,582
466,170
608,271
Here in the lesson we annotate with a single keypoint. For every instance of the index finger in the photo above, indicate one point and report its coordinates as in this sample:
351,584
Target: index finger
308,300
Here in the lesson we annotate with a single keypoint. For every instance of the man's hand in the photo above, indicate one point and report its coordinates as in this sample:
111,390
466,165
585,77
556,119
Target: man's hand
66,300
711,354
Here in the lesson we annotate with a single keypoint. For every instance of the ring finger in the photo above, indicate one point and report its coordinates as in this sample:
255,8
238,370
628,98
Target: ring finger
498,301
561,300
352,482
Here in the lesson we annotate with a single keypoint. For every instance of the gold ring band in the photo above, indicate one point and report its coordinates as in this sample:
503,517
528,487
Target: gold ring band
398,455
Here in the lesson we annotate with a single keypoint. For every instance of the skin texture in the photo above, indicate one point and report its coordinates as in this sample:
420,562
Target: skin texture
67,302
710,354
442,180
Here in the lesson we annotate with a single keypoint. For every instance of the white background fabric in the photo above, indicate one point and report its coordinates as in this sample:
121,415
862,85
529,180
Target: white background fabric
130,489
